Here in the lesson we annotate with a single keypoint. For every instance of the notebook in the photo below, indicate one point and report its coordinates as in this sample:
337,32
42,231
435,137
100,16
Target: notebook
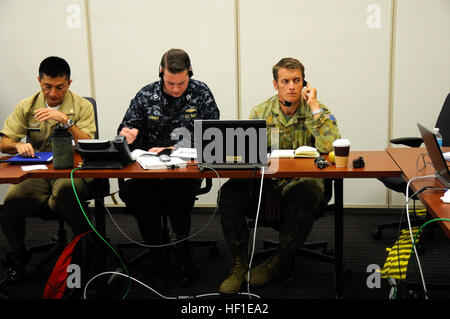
302,151
435,152
39,158
231,144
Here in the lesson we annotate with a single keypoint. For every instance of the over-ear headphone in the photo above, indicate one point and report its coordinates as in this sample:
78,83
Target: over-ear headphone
182,57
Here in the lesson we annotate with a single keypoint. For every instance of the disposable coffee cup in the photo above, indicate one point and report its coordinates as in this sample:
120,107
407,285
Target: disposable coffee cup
341,152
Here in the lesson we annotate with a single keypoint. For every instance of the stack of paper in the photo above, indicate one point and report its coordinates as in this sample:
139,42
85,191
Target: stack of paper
306,151
153,162
137,153
282,154
447,156
149,161
185,152
302,151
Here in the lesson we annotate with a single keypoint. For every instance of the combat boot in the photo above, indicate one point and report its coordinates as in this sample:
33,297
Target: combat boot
232,284
265,272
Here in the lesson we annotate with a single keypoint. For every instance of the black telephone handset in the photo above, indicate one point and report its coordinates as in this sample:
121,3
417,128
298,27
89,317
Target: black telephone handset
120,142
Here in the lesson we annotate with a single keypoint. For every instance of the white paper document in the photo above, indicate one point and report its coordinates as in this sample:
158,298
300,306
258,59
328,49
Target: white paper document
33,167
184,152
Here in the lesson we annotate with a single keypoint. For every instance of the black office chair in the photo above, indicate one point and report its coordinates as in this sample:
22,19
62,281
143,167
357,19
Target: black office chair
399,185
315,250
98,189
166,235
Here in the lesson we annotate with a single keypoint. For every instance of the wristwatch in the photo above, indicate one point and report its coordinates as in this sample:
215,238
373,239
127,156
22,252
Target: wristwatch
69,123
317,112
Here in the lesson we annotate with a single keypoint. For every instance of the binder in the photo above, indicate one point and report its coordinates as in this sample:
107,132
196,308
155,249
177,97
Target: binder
39,158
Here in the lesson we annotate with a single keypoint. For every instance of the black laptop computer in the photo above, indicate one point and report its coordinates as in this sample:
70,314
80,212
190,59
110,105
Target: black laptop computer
231,144
435,152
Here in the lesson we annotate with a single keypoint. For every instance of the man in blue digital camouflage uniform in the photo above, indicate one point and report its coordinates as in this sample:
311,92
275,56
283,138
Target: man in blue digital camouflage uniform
162,114
300,119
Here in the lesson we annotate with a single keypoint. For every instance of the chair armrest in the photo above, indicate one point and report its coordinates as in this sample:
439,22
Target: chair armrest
206,188
408,141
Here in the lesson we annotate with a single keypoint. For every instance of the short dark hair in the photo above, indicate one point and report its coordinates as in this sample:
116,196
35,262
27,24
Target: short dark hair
54,66
288,63
176,61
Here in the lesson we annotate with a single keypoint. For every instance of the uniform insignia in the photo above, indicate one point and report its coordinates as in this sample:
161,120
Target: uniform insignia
153,117
331,117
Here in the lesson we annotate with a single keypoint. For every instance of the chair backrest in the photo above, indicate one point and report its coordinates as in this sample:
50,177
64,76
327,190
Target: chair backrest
443,122
94,104
100,187
205,189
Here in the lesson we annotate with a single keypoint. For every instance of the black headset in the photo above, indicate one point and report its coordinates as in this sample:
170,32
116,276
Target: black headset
161,68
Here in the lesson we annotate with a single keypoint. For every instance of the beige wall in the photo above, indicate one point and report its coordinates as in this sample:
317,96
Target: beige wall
380,66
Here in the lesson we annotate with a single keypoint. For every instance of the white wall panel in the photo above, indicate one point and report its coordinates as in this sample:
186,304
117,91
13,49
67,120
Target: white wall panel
29,32
345,46
129,38
345,59
422,66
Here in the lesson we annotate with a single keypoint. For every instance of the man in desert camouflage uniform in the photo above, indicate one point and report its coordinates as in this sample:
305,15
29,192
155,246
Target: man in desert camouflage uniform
299,119
162,114
37,117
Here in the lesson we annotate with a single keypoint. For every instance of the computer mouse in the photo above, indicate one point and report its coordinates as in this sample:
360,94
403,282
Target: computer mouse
164,158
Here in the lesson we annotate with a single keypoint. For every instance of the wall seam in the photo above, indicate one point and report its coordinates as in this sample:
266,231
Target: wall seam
238,57
391,86
90,50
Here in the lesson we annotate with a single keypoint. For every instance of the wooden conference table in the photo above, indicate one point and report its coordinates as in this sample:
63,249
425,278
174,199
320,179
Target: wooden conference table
377,164
406,159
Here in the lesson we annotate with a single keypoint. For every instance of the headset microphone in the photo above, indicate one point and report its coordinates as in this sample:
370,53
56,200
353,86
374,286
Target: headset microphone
286,103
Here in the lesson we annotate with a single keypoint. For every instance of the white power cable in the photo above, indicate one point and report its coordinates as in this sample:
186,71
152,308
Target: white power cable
171,243
254,233
150,288
163,245
410,230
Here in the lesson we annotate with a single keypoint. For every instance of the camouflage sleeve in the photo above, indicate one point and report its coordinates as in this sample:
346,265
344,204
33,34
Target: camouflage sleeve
135,114
208,107
324,129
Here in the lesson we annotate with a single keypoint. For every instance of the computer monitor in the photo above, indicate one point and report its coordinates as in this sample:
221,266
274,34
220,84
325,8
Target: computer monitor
435,152
231,144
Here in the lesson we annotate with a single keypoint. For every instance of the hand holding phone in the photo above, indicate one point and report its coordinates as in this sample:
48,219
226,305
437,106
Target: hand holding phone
309,94
129,133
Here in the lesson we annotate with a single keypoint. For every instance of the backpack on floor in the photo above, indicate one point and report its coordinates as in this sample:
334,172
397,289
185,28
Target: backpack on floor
82,259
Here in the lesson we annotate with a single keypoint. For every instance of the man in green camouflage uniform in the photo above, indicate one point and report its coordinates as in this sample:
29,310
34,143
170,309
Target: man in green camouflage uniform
299,119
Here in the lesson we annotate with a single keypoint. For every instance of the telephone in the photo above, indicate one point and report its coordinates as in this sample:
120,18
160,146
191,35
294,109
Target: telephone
97,154
120,142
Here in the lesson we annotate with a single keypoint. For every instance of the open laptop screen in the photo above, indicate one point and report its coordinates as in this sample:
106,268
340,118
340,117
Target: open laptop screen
231,143
433,149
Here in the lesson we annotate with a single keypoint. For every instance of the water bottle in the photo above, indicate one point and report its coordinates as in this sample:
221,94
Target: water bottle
438,136
62,148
